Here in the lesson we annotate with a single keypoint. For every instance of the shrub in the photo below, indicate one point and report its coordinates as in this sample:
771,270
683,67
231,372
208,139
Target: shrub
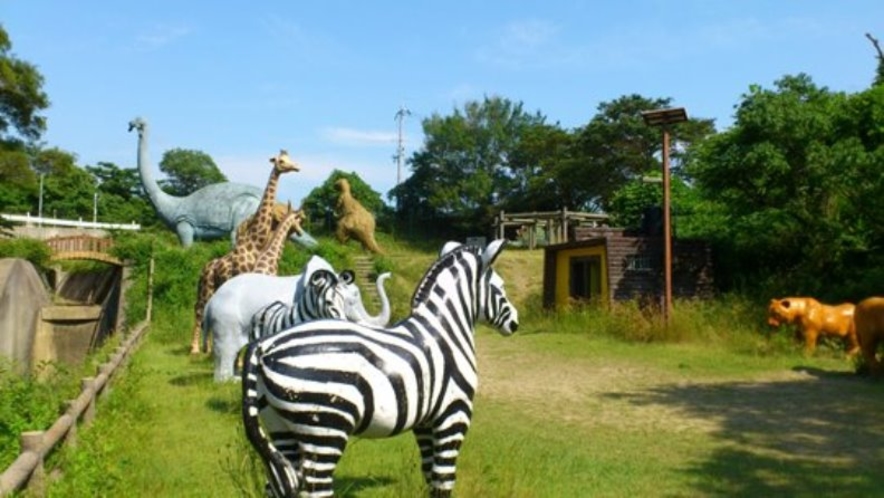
33,250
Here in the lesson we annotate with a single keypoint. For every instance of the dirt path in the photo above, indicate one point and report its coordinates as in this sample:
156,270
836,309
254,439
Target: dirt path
827,417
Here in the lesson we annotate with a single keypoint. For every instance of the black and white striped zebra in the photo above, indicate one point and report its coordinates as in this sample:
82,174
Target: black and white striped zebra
326,299
307,389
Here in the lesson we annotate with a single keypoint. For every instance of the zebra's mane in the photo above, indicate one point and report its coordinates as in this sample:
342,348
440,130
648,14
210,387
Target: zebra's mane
422,292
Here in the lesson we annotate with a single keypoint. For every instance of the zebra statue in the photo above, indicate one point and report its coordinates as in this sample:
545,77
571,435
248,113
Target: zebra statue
307,389
278,315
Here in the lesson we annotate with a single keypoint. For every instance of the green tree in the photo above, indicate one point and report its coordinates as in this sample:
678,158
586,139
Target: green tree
320,202
21,95
786,178
188,171
544,168
68,190
18,182
617,148
120,195
464,172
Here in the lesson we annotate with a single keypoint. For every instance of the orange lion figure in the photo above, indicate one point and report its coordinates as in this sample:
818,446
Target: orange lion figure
814,318
868,320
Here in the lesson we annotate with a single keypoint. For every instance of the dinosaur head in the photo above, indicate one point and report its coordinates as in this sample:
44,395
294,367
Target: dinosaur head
342,186
137,124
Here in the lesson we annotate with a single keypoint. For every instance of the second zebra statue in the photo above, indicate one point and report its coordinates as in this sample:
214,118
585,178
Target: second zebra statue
308,389
228,314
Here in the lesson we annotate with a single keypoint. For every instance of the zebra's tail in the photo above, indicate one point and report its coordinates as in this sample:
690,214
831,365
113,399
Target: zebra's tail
282,476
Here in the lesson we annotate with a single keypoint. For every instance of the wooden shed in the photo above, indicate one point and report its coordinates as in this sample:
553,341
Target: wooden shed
603,264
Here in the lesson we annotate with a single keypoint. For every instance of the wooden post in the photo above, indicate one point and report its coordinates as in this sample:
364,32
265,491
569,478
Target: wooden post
105,369
667,233
70,439
88,383
32,441
149,309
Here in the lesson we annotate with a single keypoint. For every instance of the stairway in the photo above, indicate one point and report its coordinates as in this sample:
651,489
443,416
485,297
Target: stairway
364,269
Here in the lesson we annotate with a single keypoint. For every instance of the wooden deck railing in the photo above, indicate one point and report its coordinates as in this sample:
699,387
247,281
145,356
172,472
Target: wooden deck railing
82,247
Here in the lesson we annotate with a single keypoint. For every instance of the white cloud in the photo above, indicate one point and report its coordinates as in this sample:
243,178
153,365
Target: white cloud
523,44
161,35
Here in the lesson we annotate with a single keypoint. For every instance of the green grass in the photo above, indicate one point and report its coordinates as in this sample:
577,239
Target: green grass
582,403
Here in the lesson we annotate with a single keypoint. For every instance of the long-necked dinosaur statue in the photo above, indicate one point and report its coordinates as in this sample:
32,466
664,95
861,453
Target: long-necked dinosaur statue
212,212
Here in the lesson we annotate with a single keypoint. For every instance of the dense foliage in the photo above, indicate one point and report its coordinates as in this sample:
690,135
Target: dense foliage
797,182
188,170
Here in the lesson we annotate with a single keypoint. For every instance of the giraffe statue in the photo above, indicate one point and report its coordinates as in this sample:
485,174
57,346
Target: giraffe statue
268,261
252,235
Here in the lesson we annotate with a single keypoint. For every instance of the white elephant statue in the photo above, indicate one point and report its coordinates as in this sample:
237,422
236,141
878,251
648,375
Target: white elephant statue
228,314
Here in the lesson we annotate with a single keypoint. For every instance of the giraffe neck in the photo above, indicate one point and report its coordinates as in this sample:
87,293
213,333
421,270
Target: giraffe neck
268,261
262,223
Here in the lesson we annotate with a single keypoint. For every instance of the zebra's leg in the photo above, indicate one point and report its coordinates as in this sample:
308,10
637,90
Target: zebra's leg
318,462
448,435
424,436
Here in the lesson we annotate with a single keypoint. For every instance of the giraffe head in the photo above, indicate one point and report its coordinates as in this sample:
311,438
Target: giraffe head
282,163
281,210
293,219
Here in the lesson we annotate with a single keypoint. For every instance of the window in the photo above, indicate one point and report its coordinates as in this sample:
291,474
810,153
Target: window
638,263
586,278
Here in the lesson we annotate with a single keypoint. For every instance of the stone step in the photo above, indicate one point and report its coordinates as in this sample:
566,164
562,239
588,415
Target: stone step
363,267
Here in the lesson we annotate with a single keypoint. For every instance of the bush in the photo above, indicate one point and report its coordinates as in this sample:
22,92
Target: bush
27,404
33,250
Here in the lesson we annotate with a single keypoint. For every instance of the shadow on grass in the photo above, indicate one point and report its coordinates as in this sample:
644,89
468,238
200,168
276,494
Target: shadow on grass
351,487
223,405
191,379
182,350
822,435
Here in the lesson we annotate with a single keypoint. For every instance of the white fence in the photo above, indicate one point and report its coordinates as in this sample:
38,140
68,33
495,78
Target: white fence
29,220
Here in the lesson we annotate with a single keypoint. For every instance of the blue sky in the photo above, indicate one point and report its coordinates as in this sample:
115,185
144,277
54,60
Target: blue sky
324,80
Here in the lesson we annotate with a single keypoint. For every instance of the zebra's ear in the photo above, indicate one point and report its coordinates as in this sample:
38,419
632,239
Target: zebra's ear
347,276
448,247
489,255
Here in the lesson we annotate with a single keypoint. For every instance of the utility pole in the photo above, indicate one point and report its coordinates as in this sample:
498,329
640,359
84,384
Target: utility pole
401,114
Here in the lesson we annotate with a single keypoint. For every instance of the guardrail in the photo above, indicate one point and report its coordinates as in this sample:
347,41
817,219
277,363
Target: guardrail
56,222
27,471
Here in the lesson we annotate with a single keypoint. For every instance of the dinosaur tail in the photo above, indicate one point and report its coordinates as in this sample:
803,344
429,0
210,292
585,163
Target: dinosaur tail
372,244
283,480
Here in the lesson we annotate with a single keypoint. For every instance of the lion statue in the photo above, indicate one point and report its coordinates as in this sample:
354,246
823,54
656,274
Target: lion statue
868,321
353,219
813,318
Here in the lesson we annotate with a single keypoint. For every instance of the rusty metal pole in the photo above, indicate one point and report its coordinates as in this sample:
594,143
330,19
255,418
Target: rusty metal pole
667,232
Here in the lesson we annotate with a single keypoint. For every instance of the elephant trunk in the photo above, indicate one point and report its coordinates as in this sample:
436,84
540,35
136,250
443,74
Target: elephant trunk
383,318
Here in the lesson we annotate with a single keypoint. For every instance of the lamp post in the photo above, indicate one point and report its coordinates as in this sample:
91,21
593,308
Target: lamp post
665,118
40,202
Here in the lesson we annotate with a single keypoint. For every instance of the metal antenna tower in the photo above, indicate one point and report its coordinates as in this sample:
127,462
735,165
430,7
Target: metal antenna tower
401,114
